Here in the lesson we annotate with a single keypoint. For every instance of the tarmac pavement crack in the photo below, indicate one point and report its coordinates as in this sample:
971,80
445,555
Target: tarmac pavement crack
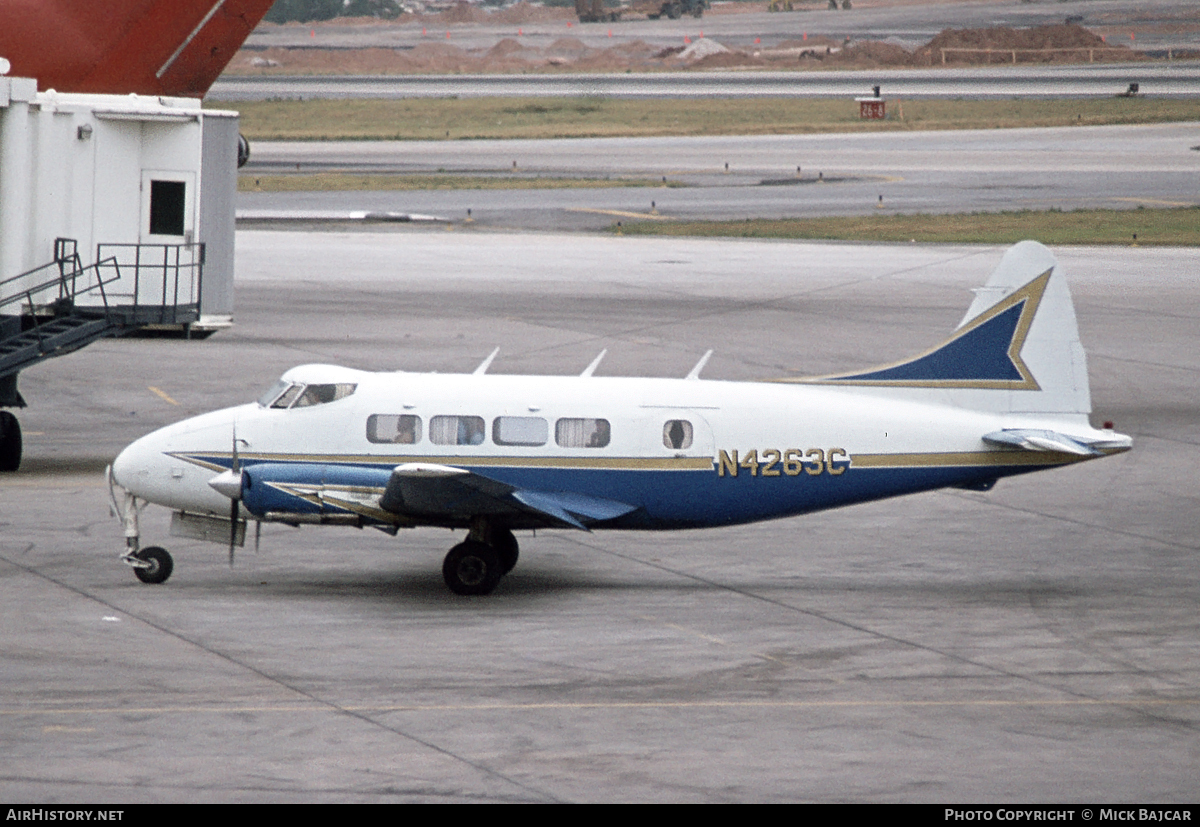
316,699
1081,523
875,633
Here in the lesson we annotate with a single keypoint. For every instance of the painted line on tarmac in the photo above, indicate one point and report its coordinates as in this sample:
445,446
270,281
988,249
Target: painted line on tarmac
575,705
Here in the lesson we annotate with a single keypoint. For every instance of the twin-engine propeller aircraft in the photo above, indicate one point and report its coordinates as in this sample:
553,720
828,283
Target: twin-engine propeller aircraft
1006,394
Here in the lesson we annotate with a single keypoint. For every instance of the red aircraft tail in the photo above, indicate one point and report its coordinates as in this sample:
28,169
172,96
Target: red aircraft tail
151,47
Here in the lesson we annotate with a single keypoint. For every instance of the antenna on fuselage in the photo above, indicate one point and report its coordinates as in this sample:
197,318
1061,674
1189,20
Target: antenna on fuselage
590,369
695,372
486,363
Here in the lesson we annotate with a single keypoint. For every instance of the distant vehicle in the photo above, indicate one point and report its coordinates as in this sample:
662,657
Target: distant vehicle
593,11
1006,394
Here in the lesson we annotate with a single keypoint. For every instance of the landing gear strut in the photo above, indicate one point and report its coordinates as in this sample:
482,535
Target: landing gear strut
476,565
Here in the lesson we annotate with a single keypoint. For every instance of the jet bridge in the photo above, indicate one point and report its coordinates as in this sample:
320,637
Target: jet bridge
116,214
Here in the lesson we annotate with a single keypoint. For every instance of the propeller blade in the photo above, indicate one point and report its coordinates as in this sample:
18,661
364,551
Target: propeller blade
233,516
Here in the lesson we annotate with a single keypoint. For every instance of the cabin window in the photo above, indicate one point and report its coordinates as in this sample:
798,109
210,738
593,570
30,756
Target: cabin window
677,434
582,433
520,430
320,394
456,430
394,429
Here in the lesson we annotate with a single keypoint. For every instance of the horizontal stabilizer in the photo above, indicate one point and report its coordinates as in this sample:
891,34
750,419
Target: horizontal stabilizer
1039,440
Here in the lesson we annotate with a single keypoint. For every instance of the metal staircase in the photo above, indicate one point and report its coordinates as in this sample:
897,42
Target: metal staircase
128,287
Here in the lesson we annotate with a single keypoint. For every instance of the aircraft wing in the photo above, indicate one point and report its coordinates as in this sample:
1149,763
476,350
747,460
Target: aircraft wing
428,489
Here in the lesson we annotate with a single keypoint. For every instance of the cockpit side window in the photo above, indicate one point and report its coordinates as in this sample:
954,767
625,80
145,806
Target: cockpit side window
270,396
297,395
321,394
288,397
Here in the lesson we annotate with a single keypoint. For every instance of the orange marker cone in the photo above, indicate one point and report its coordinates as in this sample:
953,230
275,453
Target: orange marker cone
757,40
686,39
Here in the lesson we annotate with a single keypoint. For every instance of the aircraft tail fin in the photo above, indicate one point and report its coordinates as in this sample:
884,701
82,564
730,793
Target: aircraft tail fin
1017,350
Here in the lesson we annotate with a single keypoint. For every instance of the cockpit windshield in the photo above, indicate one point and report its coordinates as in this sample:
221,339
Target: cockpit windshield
286,394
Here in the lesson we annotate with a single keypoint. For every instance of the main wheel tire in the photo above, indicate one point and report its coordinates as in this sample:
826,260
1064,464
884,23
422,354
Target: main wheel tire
161,565
507,548
10,442
472,568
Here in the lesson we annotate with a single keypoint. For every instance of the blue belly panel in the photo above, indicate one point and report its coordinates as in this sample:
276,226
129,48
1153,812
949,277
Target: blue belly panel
664,499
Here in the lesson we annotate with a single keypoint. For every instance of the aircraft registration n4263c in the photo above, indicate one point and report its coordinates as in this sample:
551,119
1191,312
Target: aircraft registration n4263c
1006,394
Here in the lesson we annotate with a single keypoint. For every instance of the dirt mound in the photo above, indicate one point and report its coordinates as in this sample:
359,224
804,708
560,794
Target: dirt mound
1041,44
1057,44
872,54
525,13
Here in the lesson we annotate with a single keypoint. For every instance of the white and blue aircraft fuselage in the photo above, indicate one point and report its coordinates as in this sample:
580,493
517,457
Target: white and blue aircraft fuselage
1006,394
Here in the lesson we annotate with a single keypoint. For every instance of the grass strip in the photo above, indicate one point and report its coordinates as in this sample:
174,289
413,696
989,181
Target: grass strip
1177,227
345,181
588,117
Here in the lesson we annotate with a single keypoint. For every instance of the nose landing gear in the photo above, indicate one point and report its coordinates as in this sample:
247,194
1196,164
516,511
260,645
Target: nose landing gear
157,564
151,564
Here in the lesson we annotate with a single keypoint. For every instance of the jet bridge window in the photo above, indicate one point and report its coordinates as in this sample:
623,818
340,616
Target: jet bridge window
520,430
167,202
456,430
394,429
582,433
677,434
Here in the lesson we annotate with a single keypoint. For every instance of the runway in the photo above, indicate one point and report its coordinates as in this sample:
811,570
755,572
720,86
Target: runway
1118,167
1173,80
1037,643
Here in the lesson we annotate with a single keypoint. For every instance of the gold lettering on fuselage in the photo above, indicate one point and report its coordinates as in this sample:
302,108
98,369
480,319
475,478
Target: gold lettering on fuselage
793,461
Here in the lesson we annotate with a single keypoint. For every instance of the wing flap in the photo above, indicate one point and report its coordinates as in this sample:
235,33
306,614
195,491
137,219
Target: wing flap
429,489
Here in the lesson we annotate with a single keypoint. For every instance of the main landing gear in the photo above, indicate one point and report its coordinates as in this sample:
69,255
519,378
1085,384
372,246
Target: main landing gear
10,442
476,565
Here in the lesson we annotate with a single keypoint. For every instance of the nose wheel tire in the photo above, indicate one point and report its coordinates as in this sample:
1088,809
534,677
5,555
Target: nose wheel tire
472,568
160,567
